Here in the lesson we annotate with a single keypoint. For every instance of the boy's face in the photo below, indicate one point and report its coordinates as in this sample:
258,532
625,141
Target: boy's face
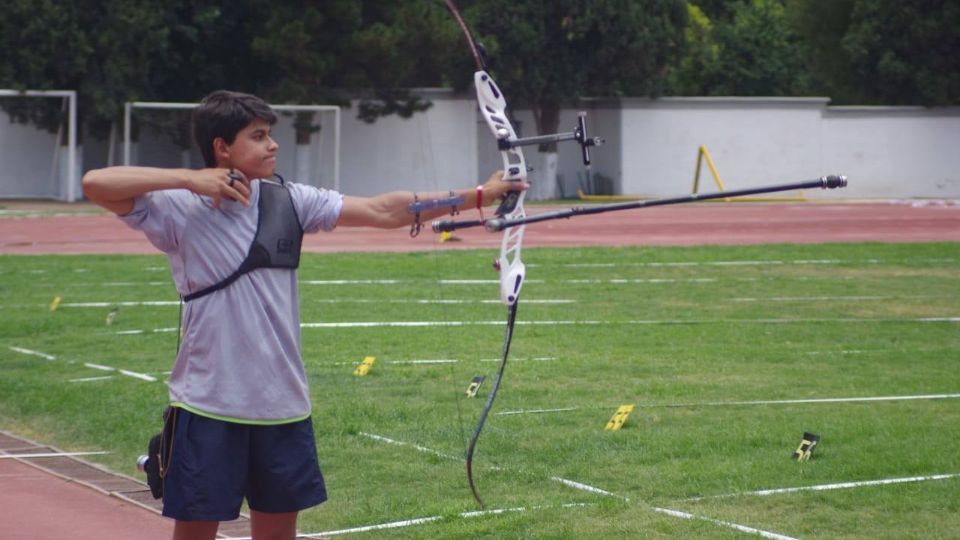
253,151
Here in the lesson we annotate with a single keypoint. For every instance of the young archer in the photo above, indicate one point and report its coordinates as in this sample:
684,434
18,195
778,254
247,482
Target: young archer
238,390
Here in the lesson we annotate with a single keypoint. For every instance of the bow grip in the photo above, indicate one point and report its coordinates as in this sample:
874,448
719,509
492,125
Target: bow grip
509,203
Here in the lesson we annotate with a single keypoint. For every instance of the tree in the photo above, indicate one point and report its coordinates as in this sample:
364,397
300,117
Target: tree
101,49
906,52
546,54
758,53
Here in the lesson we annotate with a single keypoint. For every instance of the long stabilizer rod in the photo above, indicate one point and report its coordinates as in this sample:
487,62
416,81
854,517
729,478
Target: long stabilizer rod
499,224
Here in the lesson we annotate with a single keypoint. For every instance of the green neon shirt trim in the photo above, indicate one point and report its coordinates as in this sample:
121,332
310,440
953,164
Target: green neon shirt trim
205,414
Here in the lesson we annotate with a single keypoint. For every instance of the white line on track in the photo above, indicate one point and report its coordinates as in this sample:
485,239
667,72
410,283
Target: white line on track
742,528
33,353
830,487
50,455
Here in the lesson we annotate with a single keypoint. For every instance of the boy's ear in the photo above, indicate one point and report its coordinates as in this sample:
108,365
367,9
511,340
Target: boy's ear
220,150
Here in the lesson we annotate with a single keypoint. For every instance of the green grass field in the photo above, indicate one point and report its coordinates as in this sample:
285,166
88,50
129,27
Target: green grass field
694,337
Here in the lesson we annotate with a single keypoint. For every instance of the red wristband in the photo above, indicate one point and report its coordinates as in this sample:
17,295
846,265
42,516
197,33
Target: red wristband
480,201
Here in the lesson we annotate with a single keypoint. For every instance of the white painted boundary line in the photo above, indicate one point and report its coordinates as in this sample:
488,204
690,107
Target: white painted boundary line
418,521
121,304
50,455
569,483
423,324
440,361
33,353
536,411
411,445
740,403
742,528
820,400
830,298
585,487
731,263
830,487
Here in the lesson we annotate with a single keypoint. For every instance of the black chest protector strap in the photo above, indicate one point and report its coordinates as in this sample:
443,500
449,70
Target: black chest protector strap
277,241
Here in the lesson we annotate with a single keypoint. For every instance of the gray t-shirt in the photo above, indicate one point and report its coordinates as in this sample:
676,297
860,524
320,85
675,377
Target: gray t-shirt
240,355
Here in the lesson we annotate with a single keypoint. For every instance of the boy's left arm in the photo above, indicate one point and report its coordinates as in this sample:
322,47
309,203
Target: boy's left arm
391,210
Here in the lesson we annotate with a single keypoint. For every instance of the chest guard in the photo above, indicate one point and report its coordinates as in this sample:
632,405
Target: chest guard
277,241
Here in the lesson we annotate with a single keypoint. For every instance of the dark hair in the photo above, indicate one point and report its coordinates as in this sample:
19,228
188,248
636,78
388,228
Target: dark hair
223,114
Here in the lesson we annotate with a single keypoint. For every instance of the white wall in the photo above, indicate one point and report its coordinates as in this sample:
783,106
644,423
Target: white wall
894,152
887,152
433,150
651,149
27,166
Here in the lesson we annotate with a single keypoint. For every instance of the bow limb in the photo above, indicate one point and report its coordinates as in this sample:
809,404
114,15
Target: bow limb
493,108
508,337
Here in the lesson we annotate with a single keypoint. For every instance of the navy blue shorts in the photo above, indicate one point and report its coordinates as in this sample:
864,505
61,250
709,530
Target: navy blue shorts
215,464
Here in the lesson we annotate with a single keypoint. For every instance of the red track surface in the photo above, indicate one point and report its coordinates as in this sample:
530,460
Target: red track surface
692,224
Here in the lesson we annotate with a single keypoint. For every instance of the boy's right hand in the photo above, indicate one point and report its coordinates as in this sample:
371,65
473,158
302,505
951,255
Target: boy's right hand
221,183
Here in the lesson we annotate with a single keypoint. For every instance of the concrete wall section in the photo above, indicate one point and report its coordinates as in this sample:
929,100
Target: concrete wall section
29,158
894,152
434,150
752,141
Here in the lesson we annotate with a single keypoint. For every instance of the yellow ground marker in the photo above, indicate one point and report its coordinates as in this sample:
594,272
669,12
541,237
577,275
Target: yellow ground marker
619,418
365,366
55,304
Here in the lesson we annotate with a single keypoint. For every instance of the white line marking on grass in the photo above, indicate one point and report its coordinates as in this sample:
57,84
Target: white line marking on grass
585,487
535,411
99,366
91,379
50,455
816,400
828,298
432,301
534,359
135,375
423,324
125,284
829,487
418,324
639,280
122,304
421,521
402,281
727,263
742,528
411,445
33,353
741,403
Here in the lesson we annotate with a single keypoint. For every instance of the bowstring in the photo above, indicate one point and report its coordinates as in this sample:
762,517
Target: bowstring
439,263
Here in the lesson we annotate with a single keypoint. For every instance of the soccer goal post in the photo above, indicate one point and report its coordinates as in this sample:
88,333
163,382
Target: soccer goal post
317,163
24,166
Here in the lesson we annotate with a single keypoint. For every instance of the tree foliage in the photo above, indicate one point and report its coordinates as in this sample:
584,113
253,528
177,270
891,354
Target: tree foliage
550,53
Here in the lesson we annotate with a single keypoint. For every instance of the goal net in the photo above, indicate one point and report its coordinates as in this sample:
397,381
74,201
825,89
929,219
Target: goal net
39,163
158,134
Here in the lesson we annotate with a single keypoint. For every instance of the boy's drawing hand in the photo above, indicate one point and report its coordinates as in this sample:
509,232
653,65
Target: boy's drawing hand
495,188
221,183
